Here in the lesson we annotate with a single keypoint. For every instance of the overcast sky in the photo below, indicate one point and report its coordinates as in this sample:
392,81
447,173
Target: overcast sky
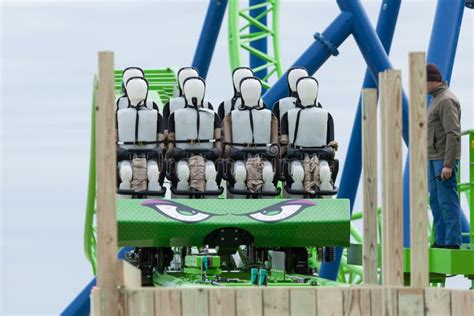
49,57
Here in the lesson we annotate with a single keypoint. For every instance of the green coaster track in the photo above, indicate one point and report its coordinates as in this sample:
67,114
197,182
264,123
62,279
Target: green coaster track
240,37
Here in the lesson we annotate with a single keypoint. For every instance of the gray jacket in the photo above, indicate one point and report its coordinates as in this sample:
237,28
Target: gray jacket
444,127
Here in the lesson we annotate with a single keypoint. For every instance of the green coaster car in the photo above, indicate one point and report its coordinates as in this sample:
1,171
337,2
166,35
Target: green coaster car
171,230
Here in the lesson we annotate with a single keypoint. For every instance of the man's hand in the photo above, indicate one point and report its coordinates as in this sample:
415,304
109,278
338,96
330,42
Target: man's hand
446,173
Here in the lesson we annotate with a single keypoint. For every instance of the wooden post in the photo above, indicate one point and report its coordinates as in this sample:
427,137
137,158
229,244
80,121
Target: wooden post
106,186
382,109
392,227
369,159
419,275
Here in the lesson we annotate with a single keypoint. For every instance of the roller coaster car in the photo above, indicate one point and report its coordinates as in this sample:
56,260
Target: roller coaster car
251,145
139,155
297,155
182,156
194,145
309,168
240,156
253,228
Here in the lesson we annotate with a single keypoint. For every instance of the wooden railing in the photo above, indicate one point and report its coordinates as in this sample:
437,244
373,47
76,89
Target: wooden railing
364,301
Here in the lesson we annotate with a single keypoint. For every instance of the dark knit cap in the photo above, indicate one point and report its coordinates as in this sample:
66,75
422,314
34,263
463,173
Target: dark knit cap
433,73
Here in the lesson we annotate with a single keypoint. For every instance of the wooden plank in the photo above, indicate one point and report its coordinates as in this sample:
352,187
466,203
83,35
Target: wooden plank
329,301
95,302
419,265
376,300
411,302
356,301
369,159
168,302
140,301
392,240
106,186
382,111
437,302
302,302
128,275
389,301
194,301
222,302
276,301
249,301
461,303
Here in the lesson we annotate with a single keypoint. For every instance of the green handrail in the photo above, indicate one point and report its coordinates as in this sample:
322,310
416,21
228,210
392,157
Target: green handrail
89,231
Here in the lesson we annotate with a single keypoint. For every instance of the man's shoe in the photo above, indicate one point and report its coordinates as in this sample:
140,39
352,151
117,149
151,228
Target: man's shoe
437,246
452,247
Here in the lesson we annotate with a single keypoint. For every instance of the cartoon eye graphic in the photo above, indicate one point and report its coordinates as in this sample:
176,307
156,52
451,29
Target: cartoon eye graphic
177,211
280,211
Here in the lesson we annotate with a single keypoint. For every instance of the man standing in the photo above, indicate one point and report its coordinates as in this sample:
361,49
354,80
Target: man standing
444,151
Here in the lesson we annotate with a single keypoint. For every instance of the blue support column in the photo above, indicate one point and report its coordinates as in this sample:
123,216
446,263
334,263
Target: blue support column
208,38
375,53
261,44
352,167
442,52
315,55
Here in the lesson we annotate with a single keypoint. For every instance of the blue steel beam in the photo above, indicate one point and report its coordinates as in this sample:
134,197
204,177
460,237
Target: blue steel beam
81,305
371,48
208,38
261,44
442,52
348,187
315,55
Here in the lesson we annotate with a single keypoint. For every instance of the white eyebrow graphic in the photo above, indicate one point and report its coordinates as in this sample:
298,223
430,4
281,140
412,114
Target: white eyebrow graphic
171,211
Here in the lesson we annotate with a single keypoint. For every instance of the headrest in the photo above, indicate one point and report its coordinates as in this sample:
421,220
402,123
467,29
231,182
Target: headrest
294,74
194,89
131,72
238,74
308,89
251,90
137,90
185,73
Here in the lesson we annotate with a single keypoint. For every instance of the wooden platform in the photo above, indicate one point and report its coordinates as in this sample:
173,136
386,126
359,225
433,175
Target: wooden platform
292,301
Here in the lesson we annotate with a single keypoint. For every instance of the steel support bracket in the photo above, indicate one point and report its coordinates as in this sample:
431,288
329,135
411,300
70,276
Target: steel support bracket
332,48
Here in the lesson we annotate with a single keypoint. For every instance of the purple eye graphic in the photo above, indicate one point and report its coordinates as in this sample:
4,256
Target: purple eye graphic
280,211
178,211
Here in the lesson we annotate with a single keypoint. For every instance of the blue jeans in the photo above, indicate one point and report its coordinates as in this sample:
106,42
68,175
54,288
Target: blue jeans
444,202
